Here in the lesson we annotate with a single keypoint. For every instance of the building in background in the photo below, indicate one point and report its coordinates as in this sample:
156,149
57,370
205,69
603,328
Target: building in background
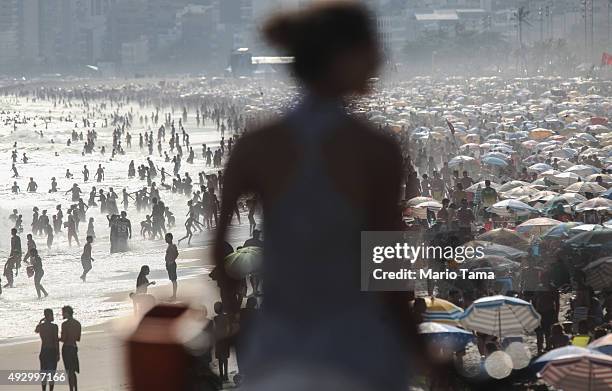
9,32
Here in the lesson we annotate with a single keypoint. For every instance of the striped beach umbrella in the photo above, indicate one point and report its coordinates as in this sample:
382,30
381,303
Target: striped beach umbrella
536,226
603,344
441,311
585,187
556,354
587,372
505,237
500,315
599,273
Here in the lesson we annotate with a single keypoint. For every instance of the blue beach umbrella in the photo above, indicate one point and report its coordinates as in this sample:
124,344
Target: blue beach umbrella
494,161
446,336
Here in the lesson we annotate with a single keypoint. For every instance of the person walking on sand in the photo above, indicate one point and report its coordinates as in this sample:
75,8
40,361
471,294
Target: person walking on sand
86,258
222,328
49,347
171,256
70,335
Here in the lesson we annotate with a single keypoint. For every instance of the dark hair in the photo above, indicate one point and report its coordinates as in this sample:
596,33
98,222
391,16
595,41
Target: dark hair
316,35
68,309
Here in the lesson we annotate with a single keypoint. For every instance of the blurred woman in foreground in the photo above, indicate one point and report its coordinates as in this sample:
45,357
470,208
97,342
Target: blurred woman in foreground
322,177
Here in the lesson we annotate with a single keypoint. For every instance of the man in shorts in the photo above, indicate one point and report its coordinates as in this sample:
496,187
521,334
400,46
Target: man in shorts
49,347
171,256
71,334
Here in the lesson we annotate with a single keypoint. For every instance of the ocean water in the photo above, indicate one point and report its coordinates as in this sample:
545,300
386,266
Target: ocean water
20,310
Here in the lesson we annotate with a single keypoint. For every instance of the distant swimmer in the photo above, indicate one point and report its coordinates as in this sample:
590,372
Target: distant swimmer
24,158
69,174
85,173
76,192
15,173
13,216
99,173
90,228
72,231
53,188
32,186
15,188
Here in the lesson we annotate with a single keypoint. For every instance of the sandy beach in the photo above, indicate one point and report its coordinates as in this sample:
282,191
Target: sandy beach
102,347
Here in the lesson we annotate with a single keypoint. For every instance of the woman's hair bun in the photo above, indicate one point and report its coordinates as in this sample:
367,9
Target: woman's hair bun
282,31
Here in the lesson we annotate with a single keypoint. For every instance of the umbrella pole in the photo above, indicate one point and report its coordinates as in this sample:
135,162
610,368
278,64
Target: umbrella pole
499,321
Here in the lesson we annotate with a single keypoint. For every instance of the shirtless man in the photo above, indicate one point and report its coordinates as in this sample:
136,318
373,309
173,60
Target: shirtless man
49,347
70,335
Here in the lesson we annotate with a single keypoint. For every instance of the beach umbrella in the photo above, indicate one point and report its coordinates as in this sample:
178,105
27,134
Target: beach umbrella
549,173
500,315
564,153
599,273
435,205
585,372
505,237
565,178
606,179
600,236
418,200
564,164
511,208
518,192
494,161
543,195
598,203
245,261
602,345
586,228
566,199
539,167
495,249
540,133
511,185
461,159
492,263
536,226
583,170
555,354
441,311
446,336
560,231
585,187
